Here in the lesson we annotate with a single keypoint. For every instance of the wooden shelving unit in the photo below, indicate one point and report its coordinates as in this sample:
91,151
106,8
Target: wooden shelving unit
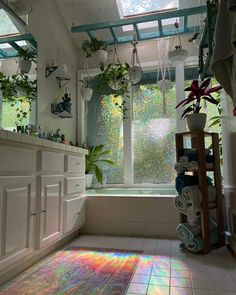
197,141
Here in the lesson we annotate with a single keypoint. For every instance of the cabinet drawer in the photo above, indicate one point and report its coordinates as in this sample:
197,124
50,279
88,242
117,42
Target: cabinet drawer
52,162
74,214
74,185
75,164
17,159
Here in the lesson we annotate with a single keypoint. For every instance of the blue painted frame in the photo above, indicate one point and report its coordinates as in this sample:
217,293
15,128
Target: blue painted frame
90,29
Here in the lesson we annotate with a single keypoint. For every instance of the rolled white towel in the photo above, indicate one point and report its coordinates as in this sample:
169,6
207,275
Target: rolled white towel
192,196
179,168
184,208
193,166
184,161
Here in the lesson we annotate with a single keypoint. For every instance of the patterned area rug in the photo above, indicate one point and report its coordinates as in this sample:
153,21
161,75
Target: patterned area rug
80,271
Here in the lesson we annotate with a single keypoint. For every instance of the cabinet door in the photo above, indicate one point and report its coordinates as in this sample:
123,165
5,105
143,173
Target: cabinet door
51,188
74,214
17,218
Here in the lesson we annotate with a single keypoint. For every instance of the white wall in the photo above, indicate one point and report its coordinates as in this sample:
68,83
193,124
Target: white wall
54,43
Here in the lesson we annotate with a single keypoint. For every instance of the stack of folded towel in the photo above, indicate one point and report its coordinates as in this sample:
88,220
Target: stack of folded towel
190,163
190,235
189,201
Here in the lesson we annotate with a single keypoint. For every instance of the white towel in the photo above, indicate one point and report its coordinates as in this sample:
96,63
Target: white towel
184,208
184,161
223,62
179,168
193,166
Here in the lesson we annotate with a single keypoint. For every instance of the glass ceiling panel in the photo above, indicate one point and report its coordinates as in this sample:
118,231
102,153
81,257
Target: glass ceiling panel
134,7
7,27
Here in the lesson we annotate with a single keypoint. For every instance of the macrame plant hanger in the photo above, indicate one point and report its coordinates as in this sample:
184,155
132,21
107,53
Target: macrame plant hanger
163,72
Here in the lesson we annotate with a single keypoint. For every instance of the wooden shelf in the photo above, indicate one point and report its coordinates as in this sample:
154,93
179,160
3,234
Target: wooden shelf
198,143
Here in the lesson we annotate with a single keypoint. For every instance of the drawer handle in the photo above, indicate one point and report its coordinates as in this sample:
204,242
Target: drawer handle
78,213
78,163
77,184
33,214
43,211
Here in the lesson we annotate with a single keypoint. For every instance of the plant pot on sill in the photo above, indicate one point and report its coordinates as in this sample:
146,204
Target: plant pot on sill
25,65
196,121
88,180
101,56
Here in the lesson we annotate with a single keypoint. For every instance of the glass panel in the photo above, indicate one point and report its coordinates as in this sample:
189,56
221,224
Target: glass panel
105,126
132,7
7,26
153,137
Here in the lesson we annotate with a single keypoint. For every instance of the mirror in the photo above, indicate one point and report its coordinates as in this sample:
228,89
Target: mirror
18,69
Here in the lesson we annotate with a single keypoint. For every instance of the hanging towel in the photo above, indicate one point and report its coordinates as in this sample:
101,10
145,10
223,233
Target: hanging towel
232,5
223,62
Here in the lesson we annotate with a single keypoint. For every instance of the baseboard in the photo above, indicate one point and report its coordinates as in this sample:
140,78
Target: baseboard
28,261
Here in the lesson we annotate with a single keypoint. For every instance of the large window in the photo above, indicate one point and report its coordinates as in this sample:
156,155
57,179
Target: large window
153,135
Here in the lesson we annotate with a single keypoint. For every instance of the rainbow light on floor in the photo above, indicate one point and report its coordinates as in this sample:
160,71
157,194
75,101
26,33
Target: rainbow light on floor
80,271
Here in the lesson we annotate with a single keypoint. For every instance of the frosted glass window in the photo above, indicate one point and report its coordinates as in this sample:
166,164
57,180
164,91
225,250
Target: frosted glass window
105,126
153,136
7,26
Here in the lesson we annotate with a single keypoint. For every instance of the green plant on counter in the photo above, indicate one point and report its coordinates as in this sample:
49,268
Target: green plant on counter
90,47
95,157
16,90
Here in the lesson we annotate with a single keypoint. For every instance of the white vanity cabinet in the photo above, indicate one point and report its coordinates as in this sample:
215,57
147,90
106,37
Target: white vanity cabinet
50,209
17,218
41,199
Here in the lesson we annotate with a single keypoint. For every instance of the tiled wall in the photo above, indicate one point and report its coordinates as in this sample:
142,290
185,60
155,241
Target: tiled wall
131,216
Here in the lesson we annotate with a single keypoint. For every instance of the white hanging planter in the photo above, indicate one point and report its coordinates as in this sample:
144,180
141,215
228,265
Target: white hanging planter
116,85
135,74
100,56
164,85
196,121
86,93
178,55
25,65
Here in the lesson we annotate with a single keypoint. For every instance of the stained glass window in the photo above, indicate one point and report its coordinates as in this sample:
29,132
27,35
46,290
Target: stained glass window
105,126
153,136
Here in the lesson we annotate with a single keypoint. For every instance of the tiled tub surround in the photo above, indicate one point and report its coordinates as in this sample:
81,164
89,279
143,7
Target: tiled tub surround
136,216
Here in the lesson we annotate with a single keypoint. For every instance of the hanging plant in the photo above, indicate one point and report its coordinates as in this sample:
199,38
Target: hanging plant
16,90
115,76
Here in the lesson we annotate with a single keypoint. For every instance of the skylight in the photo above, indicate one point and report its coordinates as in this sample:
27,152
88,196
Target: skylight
135,7
7,26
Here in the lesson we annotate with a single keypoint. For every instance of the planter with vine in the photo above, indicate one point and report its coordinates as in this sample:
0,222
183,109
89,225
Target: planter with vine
95,48
16,90
116,77
26,59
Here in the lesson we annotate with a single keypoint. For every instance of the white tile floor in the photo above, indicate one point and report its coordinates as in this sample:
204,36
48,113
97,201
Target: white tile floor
164,269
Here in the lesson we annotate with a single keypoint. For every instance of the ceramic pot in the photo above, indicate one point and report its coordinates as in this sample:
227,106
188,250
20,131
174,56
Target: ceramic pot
88,180
86,93
25,65
135,74
101,56
196,122
66,106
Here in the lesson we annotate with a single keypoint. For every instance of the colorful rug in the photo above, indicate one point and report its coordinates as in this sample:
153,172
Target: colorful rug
80,271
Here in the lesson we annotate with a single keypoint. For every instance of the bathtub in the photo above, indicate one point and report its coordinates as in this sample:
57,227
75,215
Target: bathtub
135,192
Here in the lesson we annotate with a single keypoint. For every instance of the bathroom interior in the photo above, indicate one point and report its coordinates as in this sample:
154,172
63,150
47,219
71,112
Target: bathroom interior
117,123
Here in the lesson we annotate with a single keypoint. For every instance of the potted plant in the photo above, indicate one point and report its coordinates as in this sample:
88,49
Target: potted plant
115,76
198,91
66,102
16,90
26,58
95,157
95,48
